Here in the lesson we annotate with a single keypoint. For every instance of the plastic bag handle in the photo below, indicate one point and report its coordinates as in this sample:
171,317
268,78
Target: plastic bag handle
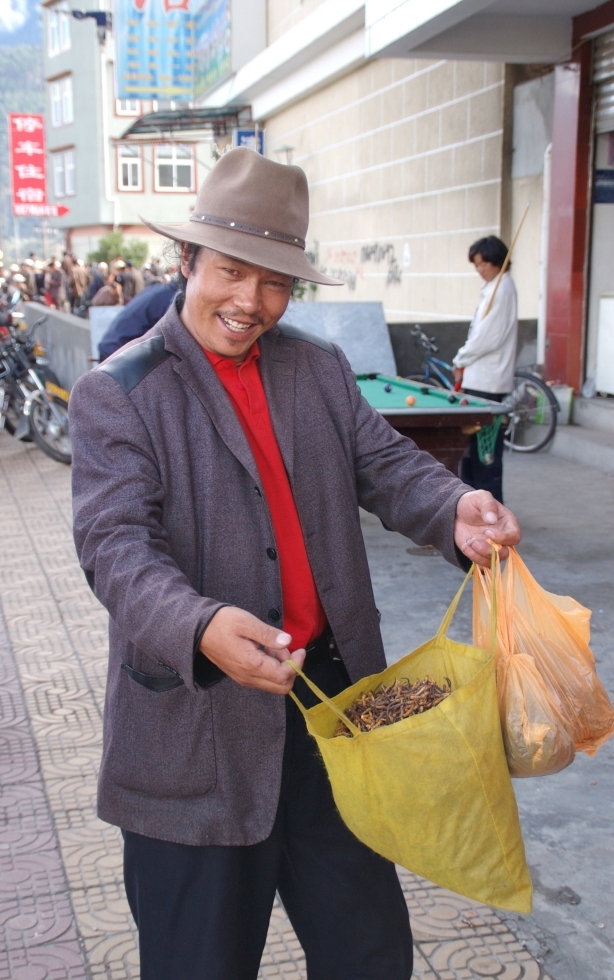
322,697
447,619
494,566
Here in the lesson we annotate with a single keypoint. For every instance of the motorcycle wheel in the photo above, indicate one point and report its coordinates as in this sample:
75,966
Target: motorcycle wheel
48,435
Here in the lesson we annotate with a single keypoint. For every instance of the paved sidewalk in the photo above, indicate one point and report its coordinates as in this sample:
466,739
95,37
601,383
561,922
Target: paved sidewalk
63,913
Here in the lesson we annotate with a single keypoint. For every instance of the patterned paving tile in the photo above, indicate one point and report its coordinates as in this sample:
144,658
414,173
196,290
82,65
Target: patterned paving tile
38,933
63,911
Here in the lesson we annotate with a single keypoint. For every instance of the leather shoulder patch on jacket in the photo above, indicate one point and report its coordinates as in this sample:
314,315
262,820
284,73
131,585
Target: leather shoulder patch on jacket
130,366
295,333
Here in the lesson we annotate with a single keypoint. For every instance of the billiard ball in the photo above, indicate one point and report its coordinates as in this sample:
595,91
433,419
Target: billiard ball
464,401
410,400
387,387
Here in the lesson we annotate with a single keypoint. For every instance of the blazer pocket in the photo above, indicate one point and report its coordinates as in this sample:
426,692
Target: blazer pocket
159,737
154,682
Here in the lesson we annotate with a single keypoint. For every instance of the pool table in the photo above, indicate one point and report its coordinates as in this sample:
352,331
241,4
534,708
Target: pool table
439,421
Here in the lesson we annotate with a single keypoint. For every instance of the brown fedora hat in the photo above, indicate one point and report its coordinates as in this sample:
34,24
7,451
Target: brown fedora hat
255,210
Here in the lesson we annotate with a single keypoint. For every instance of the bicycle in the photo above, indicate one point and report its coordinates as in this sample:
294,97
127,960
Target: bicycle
531,407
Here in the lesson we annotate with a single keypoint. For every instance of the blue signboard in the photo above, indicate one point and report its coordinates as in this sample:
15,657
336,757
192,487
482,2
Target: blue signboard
247,137
212,54
154,49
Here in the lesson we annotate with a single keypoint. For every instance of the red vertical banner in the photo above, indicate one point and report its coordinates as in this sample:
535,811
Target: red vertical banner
27,162
28,167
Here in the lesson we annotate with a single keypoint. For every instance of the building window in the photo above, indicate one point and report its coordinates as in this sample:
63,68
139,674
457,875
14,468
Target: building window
60,92
69,173
58,174
128,107
55,94
67,105
174,167
64,173
58,29
129,167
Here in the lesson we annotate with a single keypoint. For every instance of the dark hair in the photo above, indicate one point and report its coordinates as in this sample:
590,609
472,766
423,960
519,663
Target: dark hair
492,250
192,255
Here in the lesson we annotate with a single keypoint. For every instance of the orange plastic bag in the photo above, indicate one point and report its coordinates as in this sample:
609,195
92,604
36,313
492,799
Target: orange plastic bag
551,701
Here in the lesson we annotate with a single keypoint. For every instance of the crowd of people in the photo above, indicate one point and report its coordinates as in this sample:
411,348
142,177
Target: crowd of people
72,285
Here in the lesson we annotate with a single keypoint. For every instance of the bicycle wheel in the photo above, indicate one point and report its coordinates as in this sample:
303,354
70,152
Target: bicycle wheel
49,433
422,379
532,422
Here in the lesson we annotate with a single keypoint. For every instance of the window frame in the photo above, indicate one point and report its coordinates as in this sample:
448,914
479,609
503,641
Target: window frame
64,163
59,189
53,33
55,102
59,37
138,159
64,19
61,98
67,90
69,155
158,189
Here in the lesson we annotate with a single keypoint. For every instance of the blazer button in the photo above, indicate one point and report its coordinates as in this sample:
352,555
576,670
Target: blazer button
274,615
271,553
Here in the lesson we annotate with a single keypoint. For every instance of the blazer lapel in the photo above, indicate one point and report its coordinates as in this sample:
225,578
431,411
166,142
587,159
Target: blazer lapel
196,371
278,370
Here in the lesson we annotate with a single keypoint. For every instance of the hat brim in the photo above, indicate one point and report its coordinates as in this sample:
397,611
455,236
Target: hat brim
264,252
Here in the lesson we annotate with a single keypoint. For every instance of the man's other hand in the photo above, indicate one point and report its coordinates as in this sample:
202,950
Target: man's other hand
480,518
249,651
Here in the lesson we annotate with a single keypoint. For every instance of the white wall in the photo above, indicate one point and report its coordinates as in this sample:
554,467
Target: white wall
532,132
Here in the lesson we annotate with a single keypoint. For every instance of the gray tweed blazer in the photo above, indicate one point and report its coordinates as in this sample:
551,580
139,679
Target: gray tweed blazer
171,523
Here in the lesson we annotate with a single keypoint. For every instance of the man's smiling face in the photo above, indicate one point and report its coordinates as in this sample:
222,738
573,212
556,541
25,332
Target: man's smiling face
229,303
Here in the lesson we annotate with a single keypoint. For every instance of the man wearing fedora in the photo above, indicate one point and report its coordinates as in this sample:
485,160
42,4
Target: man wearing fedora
219,465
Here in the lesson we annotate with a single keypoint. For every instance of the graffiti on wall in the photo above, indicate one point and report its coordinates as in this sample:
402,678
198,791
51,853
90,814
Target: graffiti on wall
348,265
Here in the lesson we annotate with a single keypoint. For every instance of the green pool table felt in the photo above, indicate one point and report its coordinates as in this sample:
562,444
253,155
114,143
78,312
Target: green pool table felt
387,394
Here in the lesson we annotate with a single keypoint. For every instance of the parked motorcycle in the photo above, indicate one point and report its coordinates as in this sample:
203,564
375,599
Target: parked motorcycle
33,405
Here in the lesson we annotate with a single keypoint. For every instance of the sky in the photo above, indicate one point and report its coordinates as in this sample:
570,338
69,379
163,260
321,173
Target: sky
19,22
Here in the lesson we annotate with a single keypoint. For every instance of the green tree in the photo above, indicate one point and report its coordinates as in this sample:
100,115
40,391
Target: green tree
113,244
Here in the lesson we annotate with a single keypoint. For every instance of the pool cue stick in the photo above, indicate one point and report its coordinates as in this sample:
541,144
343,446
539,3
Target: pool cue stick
506,261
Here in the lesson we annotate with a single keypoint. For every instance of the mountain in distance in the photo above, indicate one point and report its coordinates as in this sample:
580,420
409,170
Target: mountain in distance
21,90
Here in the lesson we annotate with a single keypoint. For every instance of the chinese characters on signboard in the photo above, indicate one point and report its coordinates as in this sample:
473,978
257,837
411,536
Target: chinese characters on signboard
212,57
27,161
155,49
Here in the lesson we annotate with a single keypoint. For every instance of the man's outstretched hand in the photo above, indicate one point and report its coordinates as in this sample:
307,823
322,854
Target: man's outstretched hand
249,651
480,518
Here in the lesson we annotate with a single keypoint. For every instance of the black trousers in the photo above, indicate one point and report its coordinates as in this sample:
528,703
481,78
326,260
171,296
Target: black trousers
203,912
479,475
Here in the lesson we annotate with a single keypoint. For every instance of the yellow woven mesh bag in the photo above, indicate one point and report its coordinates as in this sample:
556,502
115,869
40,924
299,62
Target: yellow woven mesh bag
432,792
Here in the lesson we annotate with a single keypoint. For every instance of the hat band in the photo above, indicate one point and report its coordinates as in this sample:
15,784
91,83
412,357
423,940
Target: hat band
277,236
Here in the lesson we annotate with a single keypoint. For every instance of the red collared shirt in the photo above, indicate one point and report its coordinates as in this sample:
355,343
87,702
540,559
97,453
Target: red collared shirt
304,617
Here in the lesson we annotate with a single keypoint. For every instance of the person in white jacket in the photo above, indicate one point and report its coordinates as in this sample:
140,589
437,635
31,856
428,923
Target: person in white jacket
486,362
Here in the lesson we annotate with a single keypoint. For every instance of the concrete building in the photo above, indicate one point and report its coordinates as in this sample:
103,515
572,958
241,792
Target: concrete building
107,183
423,126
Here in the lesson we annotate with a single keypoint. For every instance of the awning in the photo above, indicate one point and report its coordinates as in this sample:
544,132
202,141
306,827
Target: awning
168,123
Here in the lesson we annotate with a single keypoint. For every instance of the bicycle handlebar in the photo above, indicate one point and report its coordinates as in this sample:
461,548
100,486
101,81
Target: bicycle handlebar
424,341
